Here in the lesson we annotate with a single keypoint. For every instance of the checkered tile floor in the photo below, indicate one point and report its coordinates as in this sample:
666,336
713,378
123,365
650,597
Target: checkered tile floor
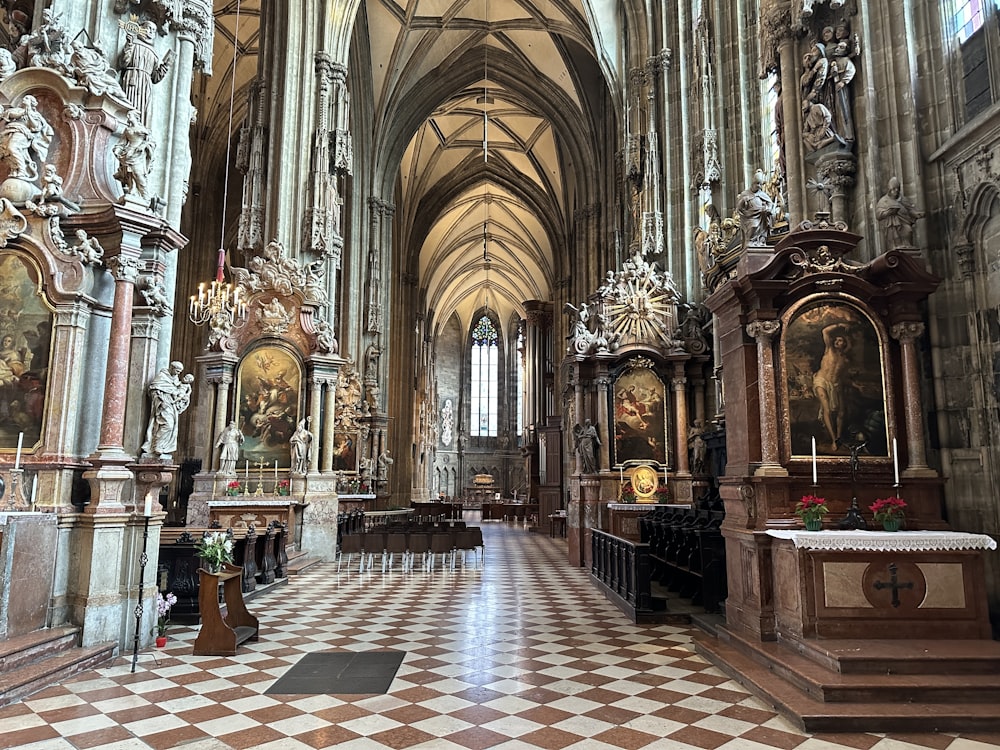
523,653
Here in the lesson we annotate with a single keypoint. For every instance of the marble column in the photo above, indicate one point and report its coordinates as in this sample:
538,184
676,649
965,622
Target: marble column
221,386
604,431
315,405
329,422
764,331
907,334
681,419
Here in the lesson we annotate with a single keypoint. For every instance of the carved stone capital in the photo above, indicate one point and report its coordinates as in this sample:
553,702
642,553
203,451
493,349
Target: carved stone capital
965,256
775,30
838,171
679,382
124,268
763,330
907,332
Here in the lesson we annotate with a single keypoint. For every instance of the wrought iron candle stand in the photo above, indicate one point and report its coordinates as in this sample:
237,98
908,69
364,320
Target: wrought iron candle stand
853,519
143,558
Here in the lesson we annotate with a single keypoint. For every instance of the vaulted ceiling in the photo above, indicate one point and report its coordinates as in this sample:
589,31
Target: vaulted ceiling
448,78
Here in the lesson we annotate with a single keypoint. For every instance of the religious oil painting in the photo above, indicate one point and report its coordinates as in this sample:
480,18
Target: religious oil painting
834,381
640,427
25,343
345,452
268,393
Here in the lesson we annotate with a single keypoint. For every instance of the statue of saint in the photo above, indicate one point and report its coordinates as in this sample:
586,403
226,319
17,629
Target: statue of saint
141,68
169,396
229,441
756,211
586,442
25,136
135,156
896,215
301,442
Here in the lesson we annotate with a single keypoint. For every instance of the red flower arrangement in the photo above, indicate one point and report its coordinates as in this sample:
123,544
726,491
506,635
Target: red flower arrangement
233,488
811,508
888,509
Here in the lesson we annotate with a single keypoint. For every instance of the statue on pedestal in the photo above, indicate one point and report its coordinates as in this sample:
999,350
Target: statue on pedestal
169,396
301,442
229,441
586,442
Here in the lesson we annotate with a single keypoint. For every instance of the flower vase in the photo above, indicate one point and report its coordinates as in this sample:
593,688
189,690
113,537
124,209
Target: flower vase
813,524
892,524
161,641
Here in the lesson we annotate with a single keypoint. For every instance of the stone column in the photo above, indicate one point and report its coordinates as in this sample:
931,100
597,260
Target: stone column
221,386
315,405
329,423
764,331
604,431
698,385
907,334
681,419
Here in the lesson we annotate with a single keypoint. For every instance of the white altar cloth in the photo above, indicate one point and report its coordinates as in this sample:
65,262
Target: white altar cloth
885,541
241,501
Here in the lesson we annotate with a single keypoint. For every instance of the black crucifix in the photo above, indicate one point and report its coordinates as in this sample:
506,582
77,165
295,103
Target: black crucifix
893,584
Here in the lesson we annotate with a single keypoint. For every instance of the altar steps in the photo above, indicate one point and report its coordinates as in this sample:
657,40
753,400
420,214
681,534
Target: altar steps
298,561
867,685
29,663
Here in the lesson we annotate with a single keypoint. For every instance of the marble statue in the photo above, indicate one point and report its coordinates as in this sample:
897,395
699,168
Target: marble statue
301,443
141,68
89,249
169,396
24,138
230,440
896,216
384,462
135,156
586,443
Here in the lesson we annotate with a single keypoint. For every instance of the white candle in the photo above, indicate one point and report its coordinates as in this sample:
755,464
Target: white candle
275,470
621,474
814,459
147,509
895,462
246,470
17,458
34,491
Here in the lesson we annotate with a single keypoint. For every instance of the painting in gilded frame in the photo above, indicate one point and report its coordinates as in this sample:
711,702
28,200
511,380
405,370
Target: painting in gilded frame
834,381
269,397
640,417
345,452
25,346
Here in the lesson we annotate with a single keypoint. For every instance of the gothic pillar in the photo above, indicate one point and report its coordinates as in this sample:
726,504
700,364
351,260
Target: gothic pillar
907,334
764,331
604,431
681,419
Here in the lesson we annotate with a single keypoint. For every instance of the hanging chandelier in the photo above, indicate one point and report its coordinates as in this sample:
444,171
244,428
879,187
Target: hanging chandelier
218,303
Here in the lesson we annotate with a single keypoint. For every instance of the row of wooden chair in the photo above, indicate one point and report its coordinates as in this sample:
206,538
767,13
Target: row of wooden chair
412,545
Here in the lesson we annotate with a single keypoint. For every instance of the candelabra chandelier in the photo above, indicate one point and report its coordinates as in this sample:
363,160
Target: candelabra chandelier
218,303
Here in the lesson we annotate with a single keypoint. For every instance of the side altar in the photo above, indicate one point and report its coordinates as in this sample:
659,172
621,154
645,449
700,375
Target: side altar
820,361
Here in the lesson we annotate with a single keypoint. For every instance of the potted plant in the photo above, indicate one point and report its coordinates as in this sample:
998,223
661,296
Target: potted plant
662,494
628,494
811,510
215,548
163,605
284,487
233,488
890,512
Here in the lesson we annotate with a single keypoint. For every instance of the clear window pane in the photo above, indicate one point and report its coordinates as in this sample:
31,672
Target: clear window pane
484,360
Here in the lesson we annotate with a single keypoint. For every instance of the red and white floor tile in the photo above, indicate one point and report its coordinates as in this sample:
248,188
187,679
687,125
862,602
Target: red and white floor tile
521,653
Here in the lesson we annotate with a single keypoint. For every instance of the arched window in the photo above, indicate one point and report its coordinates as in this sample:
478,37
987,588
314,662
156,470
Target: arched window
974,24
485,358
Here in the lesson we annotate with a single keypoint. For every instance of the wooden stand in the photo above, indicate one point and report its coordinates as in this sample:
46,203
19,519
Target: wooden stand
221,632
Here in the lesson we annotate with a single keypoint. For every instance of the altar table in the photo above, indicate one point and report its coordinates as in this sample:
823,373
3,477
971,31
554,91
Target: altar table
870,584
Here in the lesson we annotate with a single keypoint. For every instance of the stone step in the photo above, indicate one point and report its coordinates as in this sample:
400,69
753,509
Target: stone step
299,563
23,649
18,683
901,703
911,656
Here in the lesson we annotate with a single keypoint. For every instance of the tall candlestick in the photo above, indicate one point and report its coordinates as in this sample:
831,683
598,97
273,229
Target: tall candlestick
895,462
814,459
17,458
147,509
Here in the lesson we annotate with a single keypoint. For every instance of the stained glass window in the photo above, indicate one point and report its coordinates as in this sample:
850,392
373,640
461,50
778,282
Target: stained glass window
485,379
968,18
